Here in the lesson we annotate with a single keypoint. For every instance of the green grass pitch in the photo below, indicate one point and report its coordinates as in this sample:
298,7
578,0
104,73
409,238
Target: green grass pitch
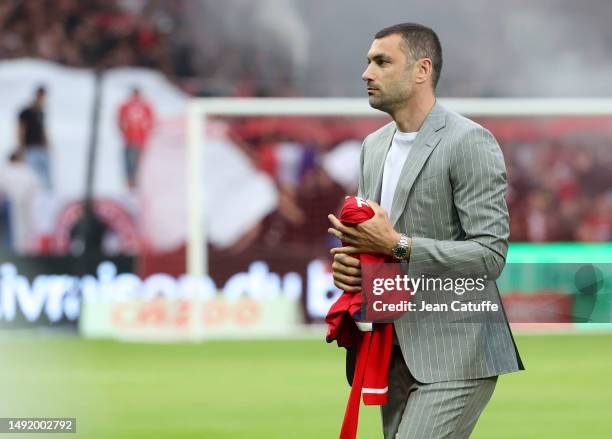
278,389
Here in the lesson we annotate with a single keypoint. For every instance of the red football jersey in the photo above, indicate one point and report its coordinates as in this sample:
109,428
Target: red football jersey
373,347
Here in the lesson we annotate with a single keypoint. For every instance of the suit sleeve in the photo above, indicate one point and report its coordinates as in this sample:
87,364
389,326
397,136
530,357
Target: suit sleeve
478,177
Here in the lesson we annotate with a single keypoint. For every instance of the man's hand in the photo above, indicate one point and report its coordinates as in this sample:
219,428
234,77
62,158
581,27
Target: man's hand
375,235
347,273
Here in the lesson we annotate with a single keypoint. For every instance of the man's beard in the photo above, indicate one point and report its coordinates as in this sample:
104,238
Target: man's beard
385,105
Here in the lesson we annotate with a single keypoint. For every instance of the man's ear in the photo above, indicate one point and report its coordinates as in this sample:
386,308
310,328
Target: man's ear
424,69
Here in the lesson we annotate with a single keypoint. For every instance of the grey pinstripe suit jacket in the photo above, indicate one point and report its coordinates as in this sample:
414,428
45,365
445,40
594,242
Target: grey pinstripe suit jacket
450,200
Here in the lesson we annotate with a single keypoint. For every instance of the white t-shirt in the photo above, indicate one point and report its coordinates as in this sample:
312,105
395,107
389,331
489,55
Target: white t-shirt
400,147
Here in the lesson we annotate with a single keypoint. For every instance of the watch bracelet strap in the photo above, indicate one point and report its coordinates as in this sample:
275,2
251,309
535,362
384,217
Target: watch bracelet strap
409,249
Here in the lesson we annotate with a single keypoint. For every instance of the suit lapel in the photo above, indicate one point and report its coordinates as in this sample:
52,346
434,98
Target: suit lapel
426,141
379,162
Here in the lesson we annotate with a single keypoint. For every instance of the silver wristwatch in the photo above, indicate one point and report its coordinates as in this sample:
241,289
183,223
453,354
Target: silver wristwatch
400,251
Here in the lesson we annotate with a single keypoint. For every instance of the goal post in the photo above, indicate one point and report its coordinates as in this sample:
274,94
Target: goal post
198,112
199,109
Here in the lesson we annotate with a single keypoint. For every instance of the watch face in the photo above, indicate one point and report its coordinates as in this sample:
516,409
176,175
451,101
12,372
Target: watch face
400,252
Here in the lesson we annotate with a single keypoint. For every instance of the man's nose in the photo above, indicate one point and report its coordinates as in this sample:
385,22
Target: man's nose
367,74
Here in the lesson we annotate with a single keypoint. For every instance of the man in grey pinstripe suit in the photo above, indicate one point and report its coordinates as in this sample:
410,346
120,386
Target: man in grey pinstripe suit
440,179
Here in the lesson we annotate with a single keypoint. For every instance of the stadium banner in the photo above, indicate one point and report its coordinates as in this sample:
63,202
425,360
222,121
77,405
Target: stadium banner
46,291
558,283
163,319
251,303
105,298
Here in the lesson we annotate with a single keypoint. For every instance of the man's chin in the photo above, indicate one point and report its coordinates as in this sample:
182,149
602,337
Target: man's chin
375,102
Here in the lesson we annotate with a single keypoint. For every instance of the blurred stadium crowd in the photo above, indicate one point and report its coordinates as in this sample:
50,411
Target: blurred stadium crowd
97,33
559,190
155,34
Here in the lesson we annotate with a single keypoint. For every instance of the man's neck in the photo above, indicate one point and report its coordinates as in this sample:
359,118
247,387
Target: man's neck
410,117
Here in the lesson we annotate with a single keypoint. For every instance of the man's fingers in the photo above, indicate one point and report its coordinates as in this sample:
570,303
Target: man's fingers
338,267
335,221
353,281
345,259
335,233
348,250
345,287
341,236
346,231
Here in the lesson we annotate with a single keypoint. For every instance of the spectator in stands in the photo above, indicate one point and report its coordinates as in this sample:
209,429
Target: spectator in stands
19,184
32,136
136,120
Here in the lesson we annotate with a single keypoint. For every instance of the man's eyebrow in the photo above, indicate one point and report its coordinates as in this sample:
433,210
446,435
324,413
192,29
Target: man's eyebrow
378,57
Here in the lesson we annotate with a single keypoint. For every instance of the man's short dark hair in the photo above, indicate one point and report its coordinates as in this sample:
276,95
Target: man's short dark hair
419,42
